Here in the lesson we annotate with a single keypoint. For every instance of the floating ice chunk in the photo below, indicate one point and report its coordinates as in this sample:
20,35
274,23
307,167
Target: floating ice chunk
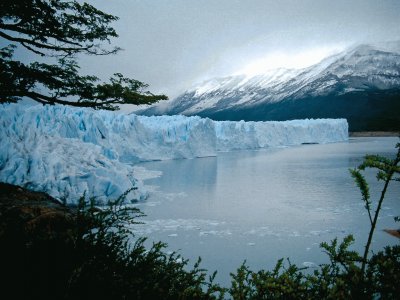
143,174
309,264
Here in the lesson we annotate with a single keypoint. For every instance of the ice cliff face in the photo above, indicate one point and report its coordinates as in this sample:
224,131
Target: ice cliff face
68,151
253,135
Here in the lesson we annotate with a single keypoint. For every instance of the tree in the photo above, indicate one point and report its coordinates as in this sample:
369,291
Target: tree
59,30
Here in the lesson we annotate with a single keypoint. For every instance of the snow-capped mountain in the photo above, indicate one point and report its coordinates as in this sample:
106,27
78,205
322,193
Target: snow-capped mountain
347,84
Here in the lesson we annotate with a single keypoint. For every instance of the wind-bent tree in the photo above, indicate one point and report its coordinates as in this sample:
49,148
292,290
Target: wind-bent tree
59,30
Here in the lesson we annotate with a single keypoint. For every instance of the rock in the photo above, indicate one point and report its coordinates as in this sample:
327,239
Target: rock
393,232
38,241
30,215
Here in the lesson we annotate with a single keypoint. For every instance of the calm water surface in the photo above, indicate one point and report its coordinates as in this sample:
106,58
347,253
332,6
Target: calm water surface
263,205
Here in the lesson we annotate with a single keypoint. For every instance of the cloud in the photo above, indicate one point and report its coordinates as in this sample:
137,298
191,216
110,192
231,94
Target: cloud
288,60
172,44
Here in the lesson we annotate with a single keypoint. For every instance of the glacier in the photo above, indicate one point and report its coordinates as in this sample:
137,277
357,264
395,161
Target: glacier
241,135
67,151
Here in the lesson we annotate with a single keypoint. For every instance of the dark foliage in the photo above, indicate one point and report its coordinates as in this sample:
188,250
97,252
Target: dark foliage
53,252
340,279
59,30
89,253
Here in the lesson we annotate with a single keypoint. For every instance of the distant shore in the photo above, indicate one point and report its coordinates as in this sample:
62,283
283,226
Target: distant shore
373,133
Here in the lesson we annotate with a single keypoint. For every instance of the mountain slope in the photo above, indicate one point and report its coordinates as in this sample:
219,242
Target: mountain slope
361,84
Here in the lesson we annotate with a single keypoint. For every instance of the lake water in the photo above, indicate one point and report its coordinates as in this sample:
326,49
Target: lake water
263,205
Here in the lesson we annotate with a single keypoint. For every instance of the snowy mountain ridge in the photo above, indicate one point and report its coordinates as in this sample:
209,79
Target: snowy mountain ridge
364,68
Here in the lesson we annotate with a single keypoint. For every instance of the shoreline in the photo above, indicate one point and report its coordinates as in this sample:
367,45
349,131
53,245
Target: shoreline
373,133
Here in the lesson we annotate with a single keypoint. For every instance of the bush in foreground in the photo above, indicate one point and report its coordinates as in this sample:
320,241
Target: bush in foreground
53,252
50,252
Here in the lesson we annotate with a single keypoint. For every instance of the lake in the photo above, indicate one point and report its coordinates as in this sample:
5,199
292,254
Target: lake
267,204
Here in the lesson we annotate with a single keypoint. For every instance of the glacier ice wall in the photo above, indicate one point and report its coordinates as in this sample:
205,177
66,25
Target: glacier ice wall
67,151
233,135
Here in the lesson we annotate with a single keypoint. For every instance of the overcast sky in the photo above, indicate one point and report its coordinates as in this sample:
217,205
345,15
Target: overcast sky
172,44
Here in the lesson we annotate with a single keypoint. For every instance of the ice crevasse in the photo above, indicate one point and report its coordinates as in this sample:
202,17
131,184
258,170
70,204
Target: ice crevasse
67,151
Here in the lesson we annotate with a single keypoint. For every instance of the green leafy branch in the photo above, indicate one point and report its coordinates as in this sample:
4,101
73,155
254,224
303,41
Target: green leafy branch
387,169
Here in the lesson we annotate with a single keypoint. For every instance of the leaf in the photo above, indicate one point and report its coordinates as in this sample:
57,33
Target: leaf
362,185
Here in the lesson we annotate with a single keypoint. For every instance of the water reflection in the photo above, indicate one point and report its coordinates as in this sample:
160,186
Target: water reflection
267,204
196,176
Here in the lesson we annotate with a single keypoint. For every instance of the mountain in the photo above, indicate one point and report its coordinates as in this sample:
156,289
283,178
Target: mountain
361,84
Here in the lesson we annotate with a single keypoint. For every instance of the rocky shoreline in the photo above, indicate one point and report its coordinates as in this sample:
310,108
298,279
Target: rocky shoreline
374,133
28,215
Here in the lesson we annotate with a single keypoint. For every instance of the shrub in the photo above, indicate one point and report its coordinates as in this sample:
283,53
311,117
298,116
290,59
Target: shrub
94,255
51,252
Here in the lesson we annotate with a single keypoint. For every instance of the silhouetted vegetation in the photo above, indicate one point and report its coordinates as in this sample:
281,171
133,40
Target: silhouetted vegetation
59,30
89,253
53,252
